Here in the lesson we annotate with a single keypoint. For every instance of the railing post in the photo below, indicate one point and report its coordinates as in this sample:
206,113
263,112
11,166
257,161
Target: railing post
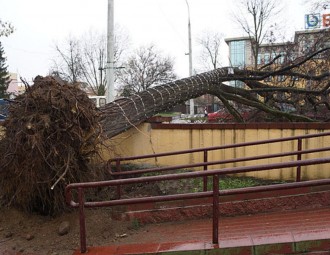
118,168
83,248
298,175
215,234
205,169
108,167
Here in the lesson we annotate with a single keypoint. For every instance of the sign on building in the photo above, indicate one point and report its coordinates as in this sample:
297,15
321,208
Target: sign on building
316,20
326,20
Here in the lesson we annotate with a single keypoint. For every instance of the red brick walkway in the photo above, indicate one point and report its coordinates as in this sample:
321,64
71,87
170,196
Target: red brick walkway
273,233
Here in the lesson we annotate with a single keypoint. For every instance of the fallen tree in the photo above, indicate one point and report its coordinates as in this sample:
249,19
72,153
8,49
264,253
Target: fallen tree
128,112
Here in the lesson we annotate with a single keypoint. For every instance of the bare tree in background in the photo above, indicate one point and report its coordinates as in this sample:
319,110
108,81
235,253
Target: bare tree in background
69,65
144,69
256,17
210,43
95,58
85,59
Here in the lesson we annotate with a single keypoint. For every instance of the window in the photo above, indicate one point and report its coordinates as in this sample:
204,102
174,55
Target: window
294,78
259,59
267,58
98,100
237,53
102,101
237,84
274,55
281,78
281,59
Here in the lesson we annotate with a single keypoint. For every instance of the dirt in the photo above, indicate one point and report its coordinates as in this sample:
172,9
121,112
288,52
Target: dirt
22,233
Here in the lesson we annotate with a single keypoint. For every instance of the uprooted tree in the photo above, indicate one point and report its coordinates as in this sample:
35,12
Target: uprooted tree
50,138
53,129
283,101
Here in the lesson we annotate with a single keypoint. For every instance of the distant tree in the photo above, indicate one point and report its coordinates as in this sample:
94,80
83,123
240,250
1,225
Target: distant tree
210,43
69,65
4,75
144,69
6,28
94,54
85,59
257,18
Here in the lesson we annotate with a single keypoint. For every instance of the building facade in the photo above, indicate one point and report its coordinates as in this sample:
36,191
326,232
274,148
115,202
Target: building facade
304,42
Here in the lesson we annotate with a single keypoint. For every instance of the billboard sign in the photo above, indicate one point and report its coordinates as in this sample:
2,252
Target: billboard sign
312,21
316,20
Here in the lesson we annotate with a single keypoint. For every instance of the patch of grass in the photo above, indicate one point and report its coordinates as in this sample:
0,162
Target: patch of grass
238,182
233,182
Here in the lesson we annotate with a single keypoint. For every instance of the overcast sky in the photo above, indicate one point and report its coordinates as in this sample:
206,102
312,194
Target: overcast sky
40,24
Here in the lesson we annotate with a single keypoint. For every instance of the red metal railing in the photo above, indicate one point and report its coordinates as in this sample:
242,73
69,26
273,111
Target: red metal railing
215,174
298,153
215,193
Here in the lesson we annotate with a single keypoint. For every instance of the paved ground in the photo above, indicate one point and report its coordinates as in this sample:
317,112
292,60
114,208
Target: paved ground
274,233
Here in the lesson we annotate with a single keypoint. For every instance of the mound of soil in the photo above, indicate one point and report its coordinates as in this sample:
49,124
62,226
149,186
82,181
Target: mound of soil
23,233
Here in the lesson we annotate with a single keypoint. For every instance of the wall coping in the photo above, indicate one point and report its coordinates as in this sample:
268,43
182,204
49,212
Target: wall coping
261,125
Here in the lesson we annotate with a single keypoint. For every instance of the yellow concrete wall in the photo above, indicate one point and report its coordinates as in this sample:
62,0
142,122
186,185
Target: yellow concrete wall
147,140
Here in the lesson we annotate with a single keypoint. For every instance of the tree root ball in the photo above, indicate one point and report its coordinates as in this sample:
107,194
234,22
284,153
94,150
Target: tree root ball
51,134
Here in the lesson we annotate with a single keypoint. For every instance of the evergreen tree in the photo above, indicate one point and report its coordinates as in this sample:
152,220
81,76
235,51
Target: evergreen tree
4,75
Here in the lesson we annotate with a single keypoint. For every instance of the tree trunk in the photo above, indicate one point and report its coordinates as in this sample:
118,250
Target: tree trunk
124,113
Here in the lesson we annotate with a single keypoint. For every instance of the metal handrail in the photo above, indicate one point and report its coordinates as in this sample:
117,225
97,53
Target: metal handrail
215,193
299,152
218,162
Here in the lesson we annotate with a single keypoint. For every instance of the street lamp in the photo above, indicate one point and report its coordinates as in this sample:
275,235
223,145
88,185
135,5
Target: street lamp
110,94
191,101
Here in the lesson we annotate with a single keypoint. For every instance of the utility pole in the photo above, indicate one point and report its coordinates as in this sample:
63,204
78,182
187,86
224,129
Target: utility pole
191,101
110,91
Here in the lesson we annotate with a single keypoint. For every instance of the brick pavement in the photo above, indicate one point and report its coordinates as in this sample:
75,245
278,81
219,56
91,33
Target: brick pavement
287,232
